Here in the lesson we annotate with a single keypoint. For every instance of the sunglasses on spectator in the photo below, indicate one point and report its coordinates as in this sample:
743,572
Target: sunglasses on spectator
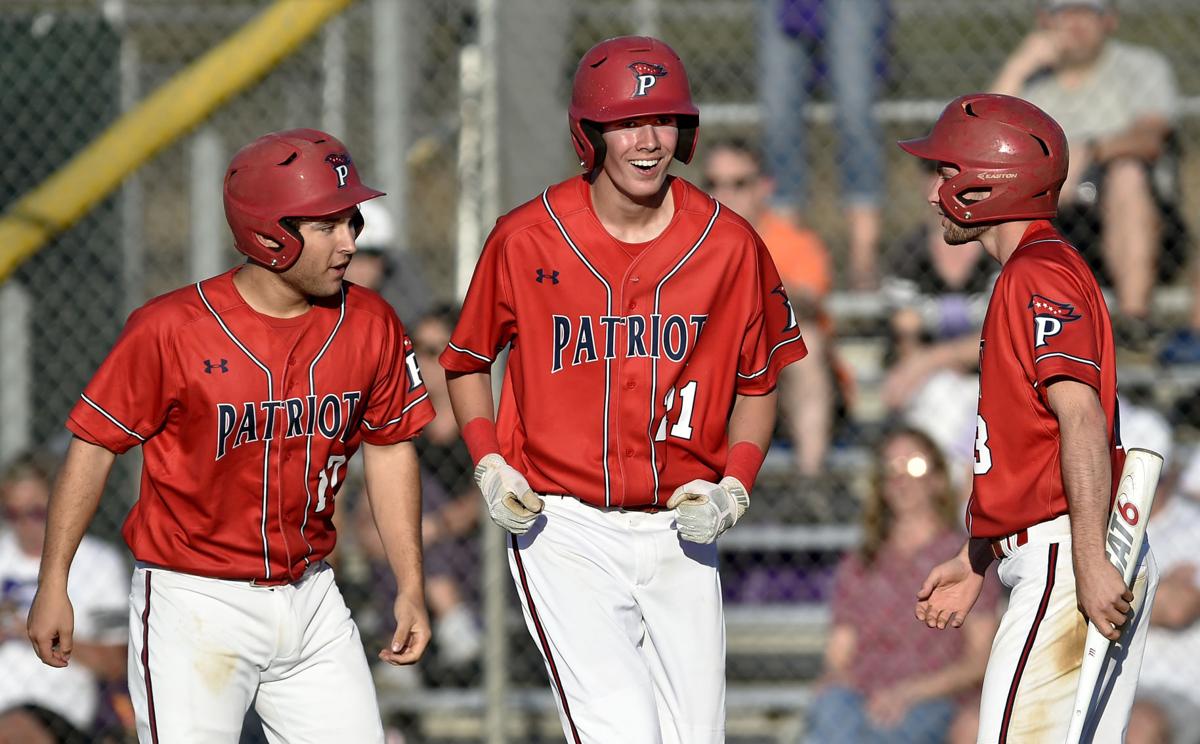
730,184
32,513
428,349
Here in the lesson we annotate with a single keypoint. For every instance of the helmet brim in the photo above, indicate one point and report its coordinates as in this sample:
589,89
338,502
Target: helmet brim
352,195
922,147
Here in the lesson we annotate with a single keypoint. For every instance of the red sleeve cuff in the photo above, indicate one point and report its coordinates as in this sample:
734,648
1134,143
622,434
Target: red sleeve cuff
480,437
744,461
1057,365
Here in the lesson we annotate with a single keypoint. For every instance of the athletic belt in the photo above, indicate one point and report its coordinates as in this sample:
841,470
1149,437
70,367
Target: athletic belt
1058,527
271,583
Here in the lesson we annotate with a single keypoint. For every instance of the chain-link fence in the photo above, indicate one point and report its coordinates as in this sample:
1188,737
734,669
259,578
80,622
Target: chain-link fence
457,109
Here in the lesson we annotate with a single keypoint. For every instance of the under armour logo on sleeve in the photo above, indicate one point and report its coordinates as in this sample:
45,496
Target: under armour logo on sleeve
552,276
223,365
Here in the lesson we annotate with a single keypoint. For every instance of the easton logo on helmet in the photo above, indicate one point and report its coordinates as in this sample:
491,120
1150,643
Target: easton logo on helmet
997,176
647,74
340,162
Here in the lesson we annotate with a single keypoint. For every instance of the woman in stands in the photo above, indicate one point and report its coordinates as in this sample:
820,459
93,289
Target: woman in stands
886,680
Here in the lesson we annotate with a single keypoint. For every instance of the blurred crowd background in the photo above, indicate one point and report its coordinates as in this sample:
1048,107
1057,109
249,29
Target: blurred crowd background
457,108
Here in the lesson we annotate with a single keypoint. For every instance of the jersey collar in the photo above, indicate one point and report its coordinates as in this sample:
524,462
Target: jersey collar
1037,230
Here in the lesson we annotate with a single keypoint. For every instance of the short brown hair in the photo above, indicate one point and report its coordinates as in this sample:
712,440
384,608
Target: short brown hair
31,465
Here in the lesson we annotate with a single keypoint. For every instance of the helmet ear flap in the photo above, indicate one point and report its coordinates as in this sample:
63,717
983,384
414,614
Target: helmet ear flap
689,136
595,138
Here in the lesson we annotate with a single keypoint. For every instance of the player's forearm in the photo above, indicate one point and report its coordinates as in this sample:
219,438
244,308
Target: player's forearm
471,396
753,419
73,503
394,490
1086,466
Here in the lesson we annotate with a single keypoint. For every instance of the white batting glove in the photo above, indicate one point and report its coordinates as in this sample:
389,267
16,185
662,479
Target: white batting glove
704,510
511,503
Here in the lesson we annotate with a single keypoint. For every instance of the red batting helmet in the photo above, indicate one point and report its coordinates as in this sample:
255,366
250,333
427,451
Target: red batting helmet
1001,144
297,173
624,78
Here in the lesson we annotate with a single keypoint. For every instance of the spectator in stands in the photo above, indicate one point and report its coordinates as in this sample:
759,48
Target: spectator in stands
883,679
733,175
1167,707
938,294
39,703
1117,103
449,526
382,264
853,35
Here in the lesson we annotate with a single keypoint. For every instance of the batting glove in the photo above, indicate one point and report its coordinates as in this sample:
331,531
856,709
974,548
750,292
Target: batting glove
704,510
511,503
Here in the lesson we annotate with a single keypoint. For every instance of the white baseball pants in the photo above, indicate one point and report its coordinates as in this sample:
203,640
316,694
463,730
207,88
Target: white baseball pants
202,650
1033,672
629,622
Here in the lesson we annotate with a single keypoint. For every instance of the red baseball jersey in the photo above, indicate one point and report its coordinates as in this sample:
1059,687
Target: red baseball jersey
625,359
1046,320
246,422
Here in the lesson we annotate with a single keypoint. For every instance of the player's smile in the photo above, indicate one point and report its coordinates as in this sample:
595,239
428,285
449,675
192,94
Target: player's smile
646,165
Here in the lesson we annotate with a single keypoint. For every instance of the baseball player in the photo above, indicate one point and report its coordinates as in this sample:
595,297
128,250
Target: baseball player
647,327
1048,445
248,393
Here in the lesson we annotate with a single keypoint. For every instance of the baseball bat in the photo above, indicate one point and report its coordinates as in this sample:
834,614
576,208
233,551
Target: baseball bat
1123,544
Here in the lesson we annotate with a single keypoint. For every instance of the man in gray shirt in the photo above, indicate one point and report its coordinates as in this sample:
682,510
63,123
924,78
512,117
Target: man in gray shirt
1117,103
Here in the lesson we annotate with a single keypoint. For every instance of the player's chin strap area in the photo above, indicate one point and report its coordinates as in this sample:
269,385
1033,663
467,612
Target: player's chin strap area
704,510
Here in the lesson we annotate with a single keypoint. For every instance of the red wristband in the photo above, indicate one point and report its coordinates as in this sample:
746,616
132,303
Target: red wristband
480,436
743,462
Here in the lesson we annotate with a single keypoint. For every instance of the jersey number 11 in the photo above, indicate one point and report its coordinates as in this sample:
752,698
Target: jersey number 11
682,428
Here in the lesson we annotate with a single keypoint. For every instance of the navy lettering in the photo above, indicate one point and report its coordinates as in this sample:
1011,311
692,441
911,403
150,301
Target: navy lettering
295,413
637,329
562,336
330,403
610,323
678,328
248,431
312,414
270,406
226,418
333,418
351,404
585,345
650,336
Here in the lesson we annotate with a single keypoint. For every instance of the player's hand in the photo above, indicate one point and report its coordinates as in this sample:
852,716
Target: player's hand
511,503
948,594
704,510
51,625
1103,597
412,632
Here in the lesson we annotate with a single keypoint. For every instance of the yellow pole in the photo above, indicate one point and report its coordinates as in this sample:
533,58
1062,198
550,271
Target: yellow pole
186,99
